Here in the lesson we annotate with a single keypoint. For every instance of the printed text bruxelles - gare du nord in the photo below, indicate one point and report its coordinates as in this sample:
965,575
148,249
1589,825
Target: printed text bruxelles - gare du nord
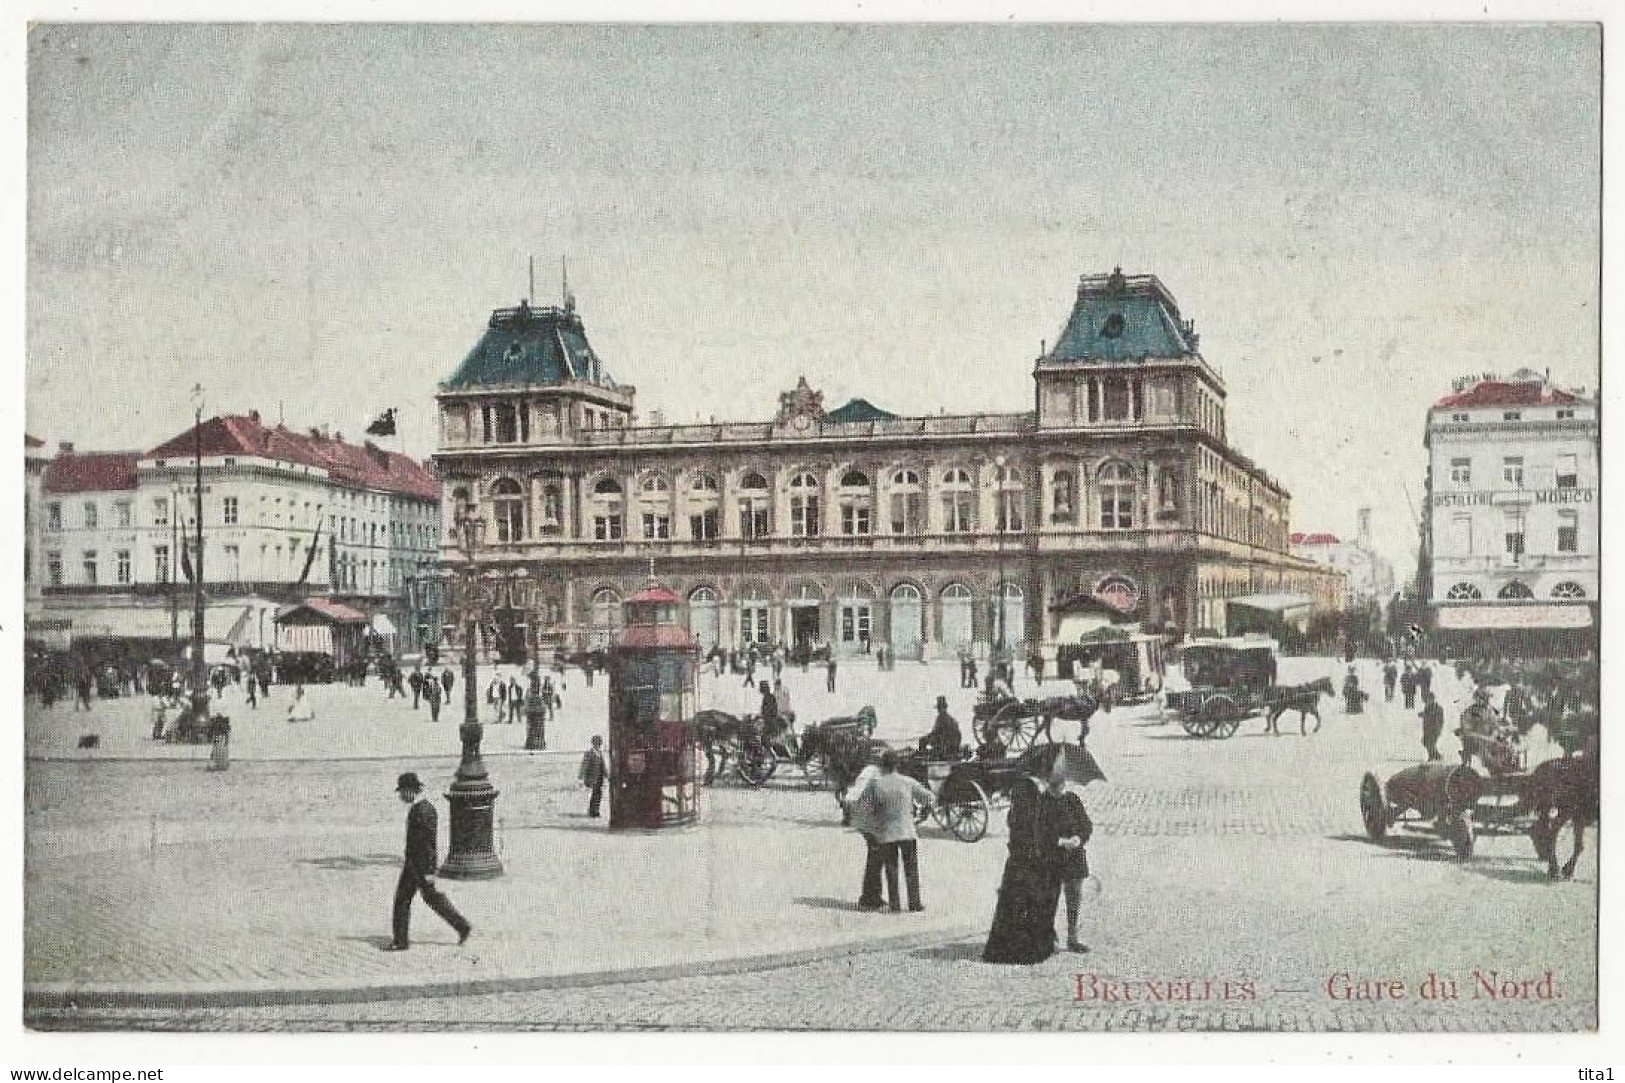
1542,496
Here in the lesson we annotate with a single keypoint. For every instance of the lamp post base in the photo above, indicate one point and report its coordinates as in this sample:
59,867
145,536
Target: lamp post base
471,855
535,727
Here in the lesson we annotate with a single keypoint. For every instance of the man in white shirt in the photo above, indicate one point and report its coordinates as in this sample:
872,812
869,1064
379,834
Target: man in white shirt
860,816
890,799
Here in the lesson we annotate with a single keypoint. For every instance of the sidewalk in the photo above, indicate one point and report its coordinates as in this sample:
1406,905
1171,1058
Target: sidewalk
283,917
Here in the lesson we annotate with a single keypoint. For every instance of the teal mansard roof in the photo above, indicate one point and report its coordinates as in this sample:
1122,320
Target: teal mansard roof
1123,318
530,347
859,410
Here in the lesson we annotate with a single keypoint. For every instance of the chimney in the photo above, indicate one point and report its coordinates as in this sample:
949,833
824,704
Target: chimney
65,447
254,416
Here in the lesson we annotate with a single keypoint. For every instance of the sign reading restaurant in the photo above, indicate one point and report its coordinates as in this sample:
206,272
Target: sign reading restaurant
1542,496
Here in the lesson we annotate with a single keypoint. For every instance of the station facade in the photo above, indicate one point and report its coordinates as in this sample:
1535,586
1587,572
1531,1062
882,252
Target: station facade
855,526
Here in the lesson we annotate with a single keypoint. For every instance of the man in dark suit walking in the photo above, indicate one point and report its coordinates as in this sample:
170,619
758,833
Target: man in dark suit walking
422,861
593,773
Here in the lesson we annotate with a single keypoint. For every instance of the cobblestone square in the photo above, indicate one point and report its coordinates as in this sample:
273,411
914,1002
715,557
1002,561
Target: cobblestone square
1239,889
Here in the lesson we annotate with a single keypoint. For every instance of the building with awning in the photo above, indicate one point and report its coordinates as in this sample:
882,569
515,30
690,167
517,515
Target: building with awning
239,622
322,626
1269,613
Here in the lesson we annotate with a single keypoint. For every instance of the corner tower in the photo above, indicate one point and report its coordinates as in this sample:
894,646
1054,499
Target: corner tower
532,378
1124,359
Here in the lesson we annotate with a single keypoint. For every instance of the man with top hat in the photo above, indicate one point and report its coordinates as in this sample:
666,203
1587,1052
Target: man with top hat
943,742
418,870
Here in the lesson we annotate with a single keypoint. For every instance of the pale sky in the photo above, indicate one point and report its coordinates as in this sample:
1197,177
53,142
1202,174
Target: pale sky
323,218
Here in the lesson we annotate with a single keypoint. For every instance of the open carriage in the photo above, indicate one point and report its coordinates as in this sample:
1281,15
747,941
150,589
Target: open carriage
1016,725
755,755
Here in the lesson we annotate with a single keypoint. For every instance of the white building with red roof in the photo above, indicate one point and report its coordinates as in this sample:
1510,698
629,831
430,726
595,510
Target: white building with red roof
286,515
1369,576
1511,538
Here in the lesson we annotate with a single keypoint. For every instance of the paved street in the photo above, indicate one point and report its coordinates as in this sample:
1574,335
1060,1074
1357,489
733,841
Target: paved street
1239,862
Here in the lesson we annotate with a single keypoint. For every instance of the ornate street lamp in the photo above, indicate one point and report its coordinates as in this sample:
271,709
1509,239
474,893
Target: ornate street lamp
471,855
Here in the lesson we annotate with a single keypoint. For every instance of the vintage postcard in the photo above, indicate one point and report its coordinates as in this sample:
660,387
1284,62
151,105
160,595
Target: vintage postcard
963,528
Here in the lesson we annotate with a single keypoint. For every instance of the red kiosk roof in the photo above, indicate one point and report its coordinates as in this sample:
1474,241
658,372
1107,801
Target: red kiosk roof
646,636
654,594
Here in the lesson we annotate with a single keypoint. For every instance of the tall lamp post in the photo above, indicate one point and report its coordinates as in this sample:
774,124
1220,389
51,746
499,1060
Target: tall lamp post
200,674
471,854
1001,522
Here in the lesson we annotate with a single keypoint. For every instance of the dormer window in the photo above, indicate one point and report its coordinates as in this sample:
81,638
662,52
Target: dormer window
1113,327
513,353
1512,415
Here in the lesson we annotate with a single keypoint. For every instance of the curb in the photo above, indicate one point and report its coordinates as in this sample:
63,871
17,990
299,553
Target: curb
203,757
64,996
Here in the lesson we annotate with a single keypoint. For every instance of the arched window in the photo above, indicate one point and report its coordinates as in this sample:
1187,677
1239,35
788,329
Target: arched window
907,503
704,508
606,617
855,612
655,506
958,502
1516,591
755,506
460,501
1464,592
857,504
607,511
956,615
702,617
753,612
1007,517
804,506
508,498
1117,496
1568,590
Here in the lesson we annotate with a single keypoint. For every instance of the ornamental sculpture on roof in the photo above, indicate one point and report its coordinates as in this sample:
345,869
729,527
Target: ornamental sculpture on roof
802,401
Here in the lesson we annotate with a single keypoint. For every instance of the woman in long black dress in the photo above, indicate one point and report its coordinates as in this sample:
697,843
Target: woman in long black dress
1024,922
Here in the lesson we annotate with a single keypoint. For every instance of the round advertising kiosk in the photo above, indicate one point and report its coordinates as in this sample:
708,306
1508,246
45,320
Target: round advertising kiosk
653,773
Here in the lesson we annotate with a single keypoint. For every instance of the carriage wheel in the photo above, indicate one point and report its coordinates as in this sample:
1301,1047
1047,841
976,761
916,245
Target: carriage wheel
815,772
1192,721
1462,835
1222,715
1023,734
967,817
1373,807
756,765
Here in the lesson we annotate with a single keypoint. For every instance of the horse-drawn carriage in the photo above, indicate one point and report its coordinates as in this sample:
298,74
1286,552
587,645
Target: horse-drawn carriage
1229,680
969,791
755,754
1015,725
1112,665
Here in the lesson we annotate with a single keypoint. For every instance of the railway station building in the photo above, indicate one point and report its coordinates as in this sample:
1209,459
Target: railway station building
855,526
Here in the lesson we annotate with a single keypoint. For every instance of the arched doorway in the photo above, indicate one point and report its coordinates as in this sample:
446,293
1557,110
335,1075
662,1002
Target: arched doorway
703,624
956,617
907,630
606,618
1014,628
806,603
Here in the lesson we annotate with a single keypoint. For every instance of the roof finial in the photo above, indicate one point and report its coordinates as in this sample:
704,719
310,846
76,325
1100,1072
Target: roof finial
529,296
569,300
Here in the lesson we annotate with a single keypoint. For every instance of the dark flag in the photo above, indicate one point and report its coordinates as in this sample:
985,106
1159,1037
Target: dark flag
186,561
310,557
384,425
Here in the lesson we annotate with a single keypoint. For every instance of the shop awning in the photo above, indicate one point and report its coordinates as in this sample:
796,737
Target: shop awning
228,624
1274,603
1467,617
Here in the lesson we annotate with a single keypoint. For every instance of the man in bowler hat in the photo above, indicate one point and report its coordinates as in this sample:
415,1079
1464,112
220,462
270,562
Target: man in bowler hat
422,860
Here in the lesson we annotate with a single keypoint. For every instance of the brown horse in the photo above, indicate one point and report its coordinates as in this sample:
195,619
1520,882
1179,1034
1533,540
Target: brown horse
1558,792
1303,698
